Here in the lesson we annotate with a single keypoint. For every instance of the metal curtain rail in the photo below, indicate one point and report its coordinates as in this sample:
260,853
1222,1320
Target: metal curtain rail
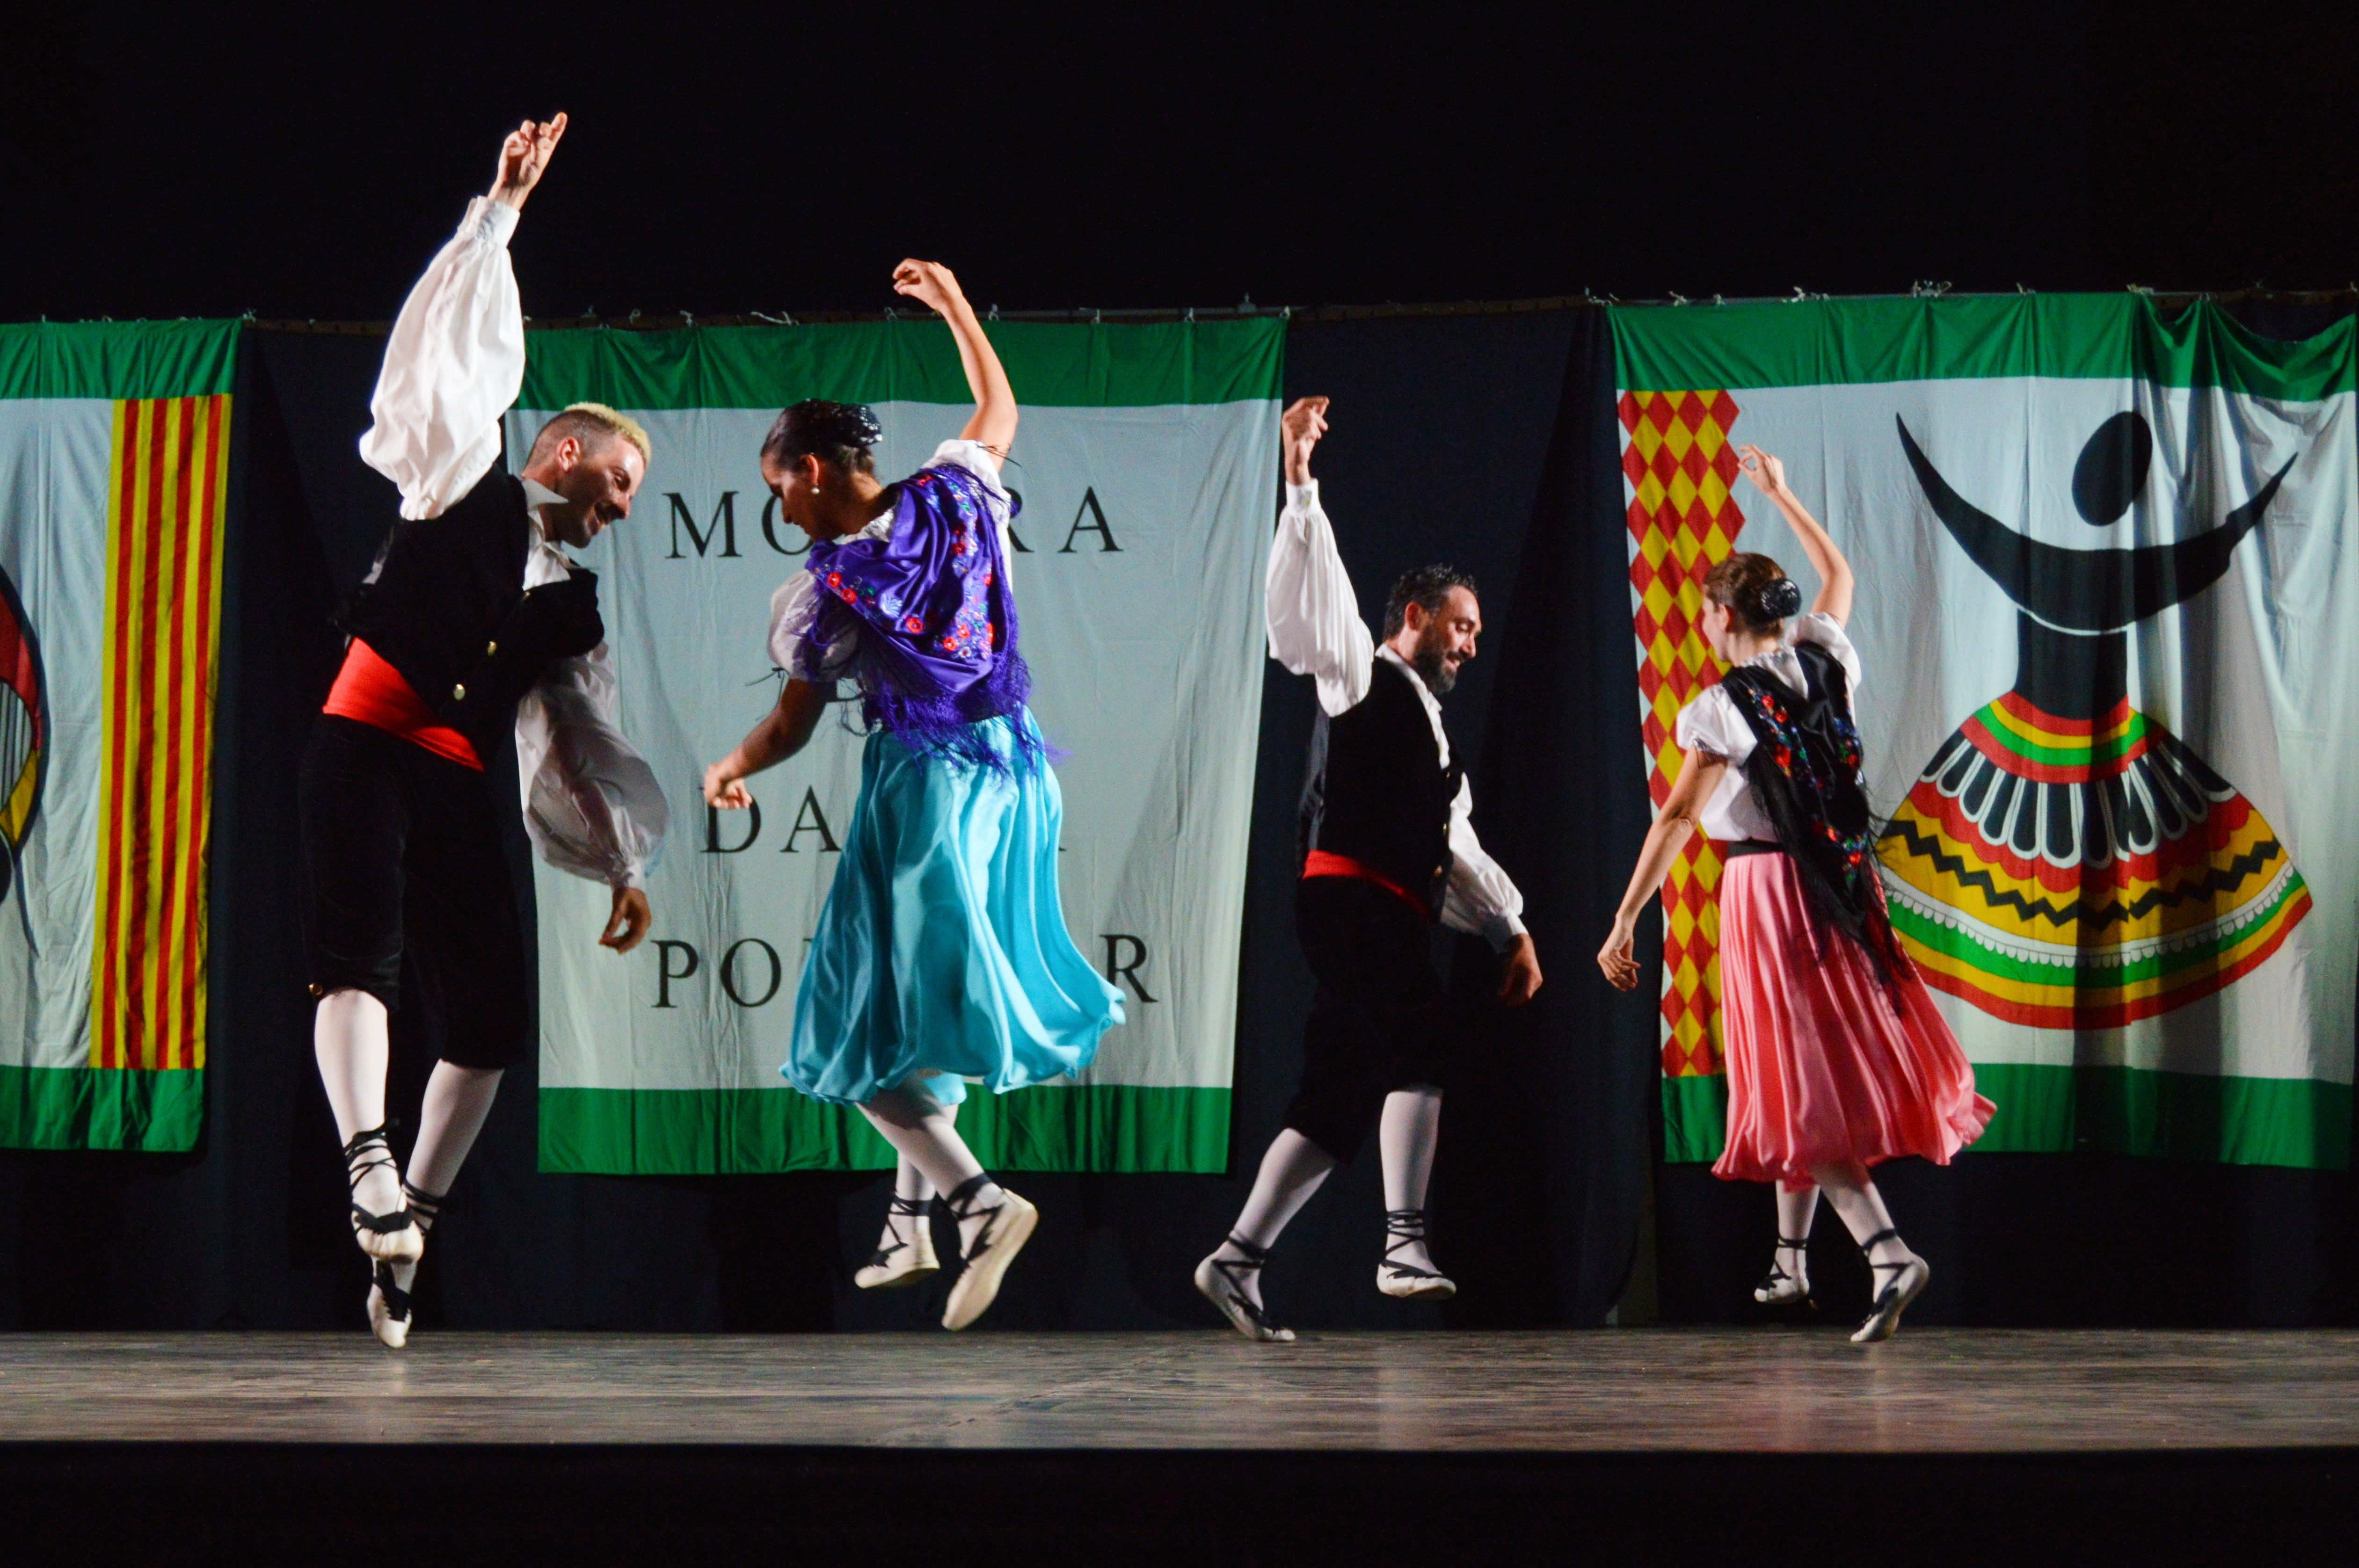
639,322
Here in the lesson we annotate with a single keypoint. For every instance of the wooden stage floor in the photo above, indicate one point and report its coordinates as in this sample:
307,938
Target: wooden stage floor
1752,1391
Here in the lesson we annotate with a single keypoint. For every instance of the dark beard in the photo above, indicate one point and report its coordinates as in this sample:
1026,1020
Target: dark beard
1431,664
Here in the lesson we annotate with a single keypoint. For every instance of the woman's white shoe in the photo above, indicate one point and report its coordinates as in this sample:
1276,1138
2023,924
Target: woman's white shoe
1779,1287
905,1254
1006,1226
1897,1284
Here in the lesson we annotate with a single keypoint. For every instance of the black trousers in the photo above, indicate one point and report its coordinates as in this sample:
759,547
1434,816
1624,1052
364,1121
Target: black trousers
402,860
1382,1017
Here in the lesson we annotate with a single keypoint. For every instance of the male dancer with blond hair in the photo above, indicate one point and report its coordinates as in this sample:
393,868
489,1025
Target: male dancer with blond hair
473,620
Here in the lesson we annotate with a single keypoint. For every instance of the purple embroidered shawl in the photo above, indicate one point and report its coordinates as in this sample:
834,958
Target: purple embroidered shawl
935,622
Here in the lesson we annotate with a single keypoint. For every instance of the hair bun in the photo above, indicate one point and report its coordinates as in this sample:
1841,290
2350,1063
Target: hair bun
1776,601
846,424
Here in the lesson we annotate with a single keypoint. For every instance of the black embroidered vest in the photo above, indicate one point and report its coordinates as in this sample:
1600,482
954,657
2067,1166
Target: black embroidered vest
1804,775
1375,789
446,608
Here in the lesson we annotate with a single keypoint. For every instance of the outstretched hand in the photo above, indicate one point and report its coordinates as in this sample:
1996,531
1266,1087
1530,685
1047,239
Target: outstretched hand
524,156
1767,475
929,284
1299,427
725,789
626,927
1618,958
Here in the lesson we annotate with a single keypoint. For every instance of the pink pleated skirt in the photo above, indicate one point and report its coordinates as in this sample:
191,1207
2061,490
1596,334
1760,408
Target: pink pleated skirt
1826,1062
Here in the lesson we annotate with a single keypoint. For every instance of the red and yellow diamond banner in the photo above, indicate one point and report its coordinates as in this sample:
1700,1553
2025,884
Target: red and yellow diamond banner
1682,518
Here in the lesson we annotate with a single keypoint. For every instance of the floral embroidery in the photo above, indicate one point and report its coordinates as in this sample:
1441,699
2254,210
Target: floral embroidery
934,615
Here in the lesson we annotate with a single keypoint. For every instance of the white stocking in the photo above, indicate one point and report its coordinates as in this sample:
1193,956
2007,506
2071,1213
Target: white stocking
1795,1213
1404,1138
921,1132
350,1037
1290,1172
910,1186
1860,1208
457,1101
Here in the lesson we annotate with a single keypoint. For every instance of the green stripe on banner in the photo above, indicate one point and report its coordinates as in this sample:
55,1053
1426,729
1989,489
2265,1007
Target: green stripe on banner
1695,1118
2300,1122
1050,364
708,1132
2303,1122
1817,342
117,360
101,1108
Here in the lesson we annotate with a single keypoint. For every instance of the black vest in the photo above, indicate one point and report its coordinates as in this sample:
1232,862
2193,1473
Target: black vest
444,591
1376,791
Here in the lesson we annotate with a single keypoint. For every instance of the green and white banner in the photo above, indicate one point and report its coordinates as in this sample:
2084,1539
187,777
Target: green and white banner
2108,562
1144,467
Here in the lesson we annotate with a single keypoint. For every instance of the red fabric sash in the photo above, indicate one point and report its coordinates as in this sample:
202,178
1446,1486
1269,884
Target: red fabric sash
372,692
1320,863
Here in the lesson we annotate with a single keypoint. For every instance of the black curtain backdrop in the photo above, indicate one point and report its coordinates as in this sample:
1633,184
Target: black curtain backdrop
1486,440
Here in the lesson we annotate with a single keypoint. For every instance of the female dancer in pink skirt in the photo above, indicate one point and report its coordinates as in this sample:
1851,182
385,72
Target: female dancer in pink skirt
1836,1058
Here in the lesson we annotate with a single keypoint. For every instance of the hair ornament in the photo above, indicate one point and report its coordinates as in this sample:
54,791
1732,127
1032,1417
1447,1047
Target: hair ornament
1774,601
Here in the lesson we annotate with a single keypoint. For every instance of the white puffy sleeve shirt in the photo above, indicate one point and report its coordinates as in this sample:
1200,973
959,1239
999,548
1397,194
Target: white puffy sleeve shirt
453,364
1315,630
1711,724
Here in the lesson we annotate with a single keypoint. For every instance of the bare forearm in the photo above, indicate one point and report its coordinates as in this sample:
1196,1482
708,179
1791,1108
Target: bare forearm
1835,571
1665,840
784,730
994,419
767,745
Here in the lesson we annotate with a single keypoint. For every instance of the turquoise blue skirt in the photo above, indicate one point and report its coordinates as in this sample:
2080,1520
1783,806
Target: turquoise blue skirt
942,949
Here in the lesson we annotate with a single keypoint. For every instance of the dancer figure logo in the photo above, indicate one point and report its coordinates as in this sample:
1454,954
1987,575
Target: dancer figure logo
24,731
2063,861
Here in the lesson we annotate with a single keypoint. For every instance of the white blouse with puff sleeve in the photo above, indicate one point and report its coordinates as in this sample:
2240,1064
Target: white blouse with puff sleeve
1712,725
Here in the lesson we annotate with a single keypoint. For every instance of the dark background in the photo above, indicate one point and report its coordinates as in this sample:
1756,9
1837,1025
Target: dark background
304,162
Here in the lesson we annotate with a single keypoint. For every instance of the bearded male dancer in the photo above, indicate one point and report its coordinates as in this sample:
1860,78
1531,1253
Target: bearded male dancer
1387,849
472,611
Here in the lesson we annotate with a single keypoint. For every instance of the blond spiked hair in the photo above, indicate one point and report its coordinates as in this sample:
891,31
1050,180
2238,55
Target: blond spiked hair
590,422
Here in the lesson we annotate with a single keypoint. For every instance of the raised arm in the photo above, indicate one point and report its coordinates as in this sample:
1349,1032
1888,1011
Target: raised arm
1314,616
1769,476
454,361
1699,775
993,425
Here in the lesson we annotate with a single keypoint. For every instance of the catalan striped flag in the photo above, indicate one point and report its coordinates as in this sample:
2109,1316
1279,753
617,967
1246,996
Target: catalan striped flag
113,479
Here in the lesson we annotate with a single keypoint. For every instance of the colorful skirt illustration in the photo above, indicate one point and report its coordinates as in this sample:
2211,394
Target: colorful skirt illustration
2078,874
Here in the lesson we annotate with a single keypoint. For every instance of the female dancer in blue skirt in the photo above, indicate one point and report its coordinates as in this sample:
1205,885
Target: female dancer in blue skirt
941,954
